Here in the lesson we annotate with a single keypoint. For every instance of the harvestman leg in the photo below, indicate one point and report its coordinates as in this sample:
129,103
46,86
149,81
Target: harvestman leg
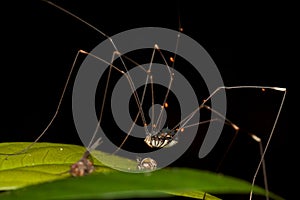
154,127
236,128
138,101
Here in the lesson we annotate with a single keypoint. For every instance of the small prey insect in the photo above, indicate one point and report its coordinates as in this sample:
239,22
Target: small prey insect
84,166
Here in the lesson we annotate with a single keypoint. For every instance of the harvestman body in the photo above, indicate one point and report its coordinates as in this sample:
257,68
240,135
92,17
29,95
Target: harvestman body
157,137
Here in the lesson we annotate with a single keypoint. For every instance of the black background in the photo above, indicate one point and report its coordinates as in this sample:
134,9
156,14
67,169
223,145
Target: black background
39,44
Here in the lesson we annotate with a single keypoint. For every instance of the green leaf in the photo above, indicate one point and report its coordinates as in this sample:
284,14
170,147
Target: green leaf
42,170
45,162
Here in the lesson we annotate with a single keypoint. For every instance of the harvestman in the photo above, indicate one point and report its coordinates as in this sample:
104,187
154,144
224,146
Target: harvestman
156,137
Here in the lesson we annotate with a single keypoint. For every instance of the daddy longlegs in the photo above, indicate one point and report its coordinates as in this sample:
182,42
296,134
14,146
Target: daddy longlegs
158,136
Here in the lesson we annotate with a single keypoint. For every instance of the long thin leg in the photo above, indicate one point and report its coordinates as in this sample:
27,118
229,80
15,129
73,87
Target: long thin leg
57,108
183,123
192,114
116,50
268,142
171,73
154,126
130,82
139,102
236,131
